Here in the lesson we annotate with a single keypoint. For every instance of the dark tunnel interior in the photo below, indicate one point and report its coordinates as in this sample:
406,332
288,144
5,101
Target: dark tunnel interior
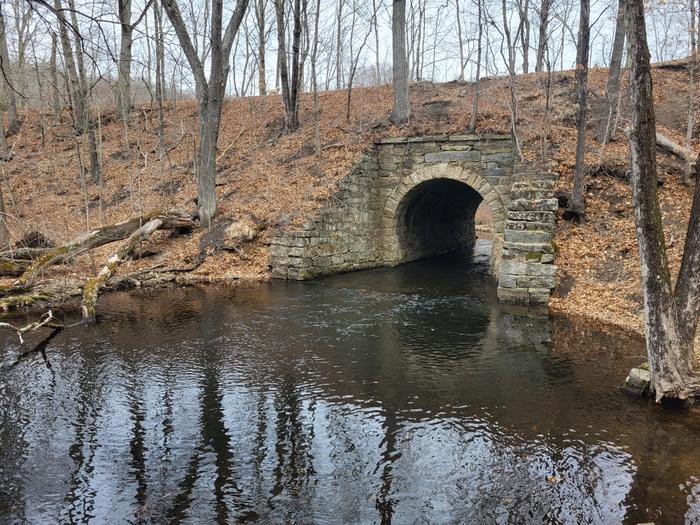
435,217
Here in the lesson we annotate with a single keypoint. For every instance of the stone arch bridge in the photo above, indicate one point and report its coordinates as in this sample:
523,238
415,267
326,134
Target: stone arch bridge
410,198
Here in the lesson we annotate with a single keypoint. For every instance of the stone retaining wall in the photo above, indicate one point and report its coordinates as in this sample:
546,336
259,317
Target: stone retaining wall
358,227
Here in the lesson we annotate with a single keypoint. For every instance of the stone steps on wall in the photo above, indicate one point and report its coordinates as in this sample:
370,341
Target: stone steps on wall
527,272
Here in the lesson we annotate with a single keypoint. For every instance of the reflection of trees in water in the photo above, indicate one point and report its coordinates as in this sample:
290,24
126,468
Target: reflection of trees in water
294,467
384,502
346,435
213,435
13,453
80,498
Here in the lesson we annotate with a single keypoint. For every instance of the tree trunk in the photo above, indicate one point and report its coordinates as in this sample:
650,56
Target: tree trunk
4,230
542,42
53,72
375,24
89,125
339,46
692,72
160,76
577,207
670,317
458,14
477,80
510,43
93,239
210,94
612,87
402,109
260,19
525,33
314,81
124,79
8,88
92,287
291,83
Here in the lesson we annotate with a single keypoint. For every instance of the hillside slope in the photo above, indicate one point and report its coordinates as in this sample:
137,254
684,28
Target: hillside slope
268,180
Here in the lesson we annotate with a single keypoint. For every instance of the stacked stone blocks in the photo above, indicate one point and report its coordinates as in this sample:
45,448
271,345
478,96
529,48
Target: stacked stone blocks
527,273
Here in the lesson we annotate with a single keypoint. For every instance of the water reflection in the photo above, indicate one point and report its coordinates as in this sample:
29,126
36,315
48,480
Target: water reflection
402,395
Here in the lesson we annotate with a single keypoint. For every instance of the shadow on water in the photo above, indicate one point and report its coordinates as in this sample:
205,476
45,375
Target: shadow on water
393,395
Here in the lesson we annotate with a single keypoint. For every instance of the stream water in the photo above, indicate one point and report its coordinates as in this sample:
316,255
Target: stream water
404,395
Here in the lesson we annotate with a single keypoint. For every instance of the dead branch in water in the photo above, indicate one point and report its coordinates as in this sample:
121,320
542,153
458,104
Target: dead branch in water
45,320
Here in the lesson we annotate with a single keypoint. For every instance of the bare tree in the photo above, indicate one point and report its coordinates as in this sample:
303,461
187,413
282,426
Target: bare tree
671,315
291,80
314,81
124,68
53,72
210,92
260,10
402,109
6,73
612,87
523,9
577,205
477,79
545,6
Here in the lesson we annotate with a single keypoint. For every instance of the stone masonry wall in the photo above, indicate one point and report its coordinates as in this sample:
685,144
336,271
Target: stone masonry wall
357,229
528,273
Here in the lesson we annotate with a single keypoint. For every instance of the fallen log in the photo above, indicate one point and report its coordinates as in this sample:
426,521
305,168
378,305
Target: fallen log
13,268
23,253
96,238
92,286
676,149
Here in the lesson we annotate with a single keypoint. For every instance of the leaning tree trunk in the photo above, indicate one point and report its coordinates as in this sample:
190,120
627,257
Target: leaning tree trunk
670,317
401,112
612,87
577,206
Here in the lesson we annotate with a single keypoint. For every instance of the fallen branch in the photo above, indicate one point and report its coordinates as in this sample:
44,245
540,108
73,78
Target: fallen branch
23,253
13,268
96,238
233,143
44,320
676,149
92,286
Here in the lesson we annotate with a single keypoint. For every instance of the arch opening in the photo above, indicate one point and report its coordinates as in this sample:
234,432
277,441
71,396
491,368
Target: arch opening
436,216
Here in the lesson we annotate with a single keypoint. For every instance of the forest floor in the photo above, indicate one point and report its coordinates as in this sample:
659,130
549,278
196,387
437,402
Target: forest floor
269,181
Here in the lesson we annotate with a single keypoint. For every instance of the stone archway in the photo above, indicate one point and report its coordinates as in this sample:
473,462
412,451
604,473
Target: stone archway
431,211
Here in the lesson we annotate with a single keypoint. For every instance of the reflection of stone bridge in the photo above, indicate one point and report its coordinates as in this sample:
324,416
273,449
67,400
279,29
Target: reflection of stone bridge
410,198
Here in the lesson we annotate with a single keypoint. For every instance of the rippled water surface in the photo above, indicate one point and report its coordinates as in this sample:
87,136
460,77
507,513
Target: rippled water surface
406,395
